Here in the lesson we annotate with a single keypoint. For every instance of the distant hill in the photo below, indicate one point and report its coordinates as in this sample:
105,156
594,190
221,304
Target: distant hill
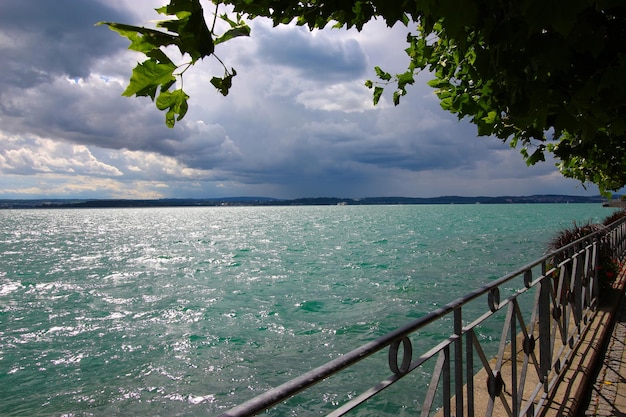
534,199
267,201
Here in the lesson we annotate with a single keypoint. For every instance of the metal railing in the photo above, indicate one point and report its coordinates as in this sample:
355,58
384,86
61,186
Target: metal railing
543,308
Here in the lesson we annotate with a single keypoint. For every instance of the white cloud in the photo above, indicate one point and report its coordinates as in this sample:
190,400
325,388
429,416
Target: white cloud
339,97
33,156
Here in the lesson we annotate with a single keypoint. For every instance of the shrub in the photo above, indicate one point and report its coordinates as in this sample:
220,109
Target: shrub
607,267
572,234
614,217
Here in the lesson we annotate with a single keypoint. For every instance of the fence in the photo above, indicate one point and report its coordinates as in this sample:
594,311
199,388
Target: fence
544,308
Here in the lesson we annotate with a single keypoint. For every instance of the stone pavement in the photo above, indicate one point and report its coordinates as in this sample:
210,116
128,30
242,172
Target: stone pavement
608,393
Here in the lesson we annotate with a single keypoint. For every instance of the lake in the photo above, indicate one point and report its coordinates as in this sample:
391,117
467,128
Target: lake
190,311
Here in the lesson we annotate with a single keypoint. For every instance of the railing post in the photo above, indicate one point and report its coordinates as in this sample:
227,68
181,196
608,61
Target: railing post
545,350
617,242
587,284
577,287
515,401
594,274
458,362
446,382
621,232
469,367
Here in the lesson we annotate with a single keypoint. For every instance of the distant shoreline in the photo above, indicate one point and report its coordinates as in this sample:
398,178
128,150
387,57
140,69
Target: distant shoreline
318,201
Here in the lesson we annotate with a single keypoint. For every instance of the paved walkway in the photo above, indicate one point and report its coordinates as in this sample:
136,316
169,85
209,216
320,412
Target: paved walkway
608,393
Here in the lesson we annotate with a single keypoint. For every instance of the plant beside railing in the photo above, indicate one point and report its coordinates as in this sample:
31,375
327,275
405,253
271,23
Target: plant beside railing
608,266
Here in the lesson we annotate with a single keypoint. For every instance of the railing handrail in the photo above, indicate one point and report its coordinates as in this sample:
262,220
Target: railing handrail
290,388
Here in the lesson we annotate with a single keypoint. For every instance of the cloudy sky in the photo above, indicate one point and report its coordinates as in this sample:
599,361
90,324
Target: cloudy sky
298,122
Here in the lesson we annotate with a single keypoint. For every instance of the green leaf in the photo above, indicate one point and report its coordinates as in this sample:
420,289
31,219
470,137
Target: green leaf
382,74
438,83
236,32
142,39
404,79
175,7
193,35
446,103
378,92
175,103
148,76
159,56
223,84
490,118
396,97
237,28
535,157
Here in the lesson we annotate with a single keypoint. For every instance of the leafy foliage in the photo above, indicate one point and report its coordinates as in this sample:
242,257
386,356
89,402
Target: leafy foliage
187,30
620,214
546,76
608,268
572,234
543,76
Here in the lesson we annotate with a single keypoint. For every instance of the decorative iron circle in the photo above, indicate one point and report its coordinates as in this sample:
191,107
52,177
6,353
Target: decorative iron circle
557,366
528,277
556,313
495,383
407,356
529,344
494,299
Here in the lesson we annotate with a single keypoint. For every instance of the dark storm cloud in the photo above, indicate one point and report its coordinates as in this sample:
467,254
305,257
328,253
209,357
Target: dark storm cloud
40,39
393,138
315,56
342,149
50,85
96,115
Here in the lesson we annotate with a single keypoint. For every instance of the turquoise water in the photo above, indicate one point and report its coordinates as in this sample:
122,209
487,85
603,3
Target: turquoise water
189,311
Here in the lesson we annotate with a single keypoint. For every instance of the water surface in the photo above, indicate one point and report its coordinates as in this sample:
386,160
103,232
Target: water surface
189,311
